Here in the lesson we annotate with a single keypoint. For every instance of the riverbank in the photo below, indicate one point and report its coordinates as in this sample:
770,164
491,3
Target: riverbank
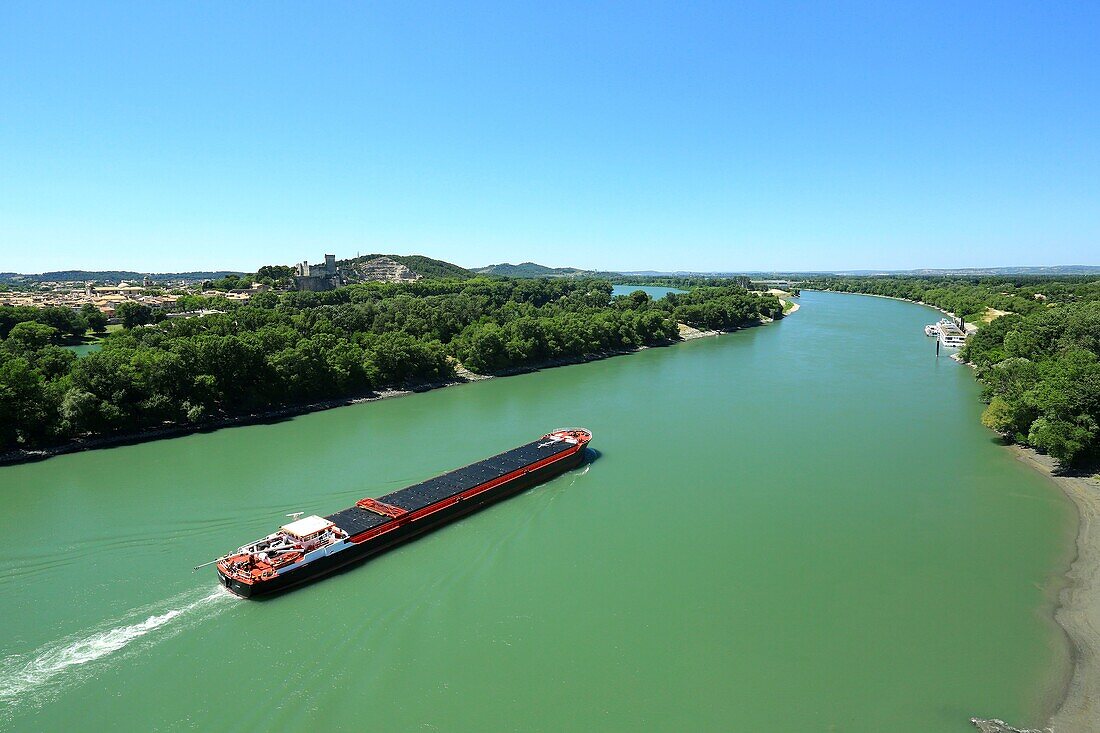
893,297
1078,606
1078,610
462,376
999,726
804,602
254,418
688,333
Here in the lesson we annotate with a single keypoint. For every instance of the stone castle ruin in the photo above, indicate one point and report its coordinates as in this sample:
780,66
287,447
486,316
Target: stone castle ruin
329,276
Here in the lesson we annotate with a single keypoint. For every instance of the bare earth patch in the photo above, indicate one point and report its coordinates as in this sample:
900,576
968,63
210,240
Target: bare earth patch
992,314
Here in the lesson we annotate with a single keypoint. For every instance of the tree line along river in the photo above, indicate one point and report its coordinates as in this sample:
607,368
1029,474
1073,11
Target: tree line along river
800,526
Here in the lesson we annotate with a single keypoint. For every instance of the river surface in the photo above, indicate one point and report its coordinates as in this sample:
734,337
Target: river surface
656,292
797,527
82,350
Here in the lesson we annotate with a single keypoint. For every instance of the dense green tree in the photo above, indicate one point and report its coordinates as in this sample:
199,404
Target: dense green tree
31,336
286,348
639,299
229,282
274,272
23,407
53,362
1001,416
94,318
1064,440
133,314
12,315
79,412
65,320
482,347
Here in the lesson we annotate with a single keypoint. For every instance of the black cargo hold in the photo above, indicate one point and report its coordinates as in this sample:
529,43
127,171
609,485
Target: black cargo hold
356,520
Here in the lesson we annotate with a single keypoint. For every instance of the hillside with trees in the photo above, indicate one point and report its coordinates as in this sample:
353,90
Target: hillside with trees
293,348
110,276
1041,377
531,269
425,267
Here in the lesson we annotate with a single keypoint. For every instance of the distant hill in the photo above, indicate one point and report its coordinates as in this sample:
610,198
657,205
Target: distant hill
111,276
975,271
421,265
531,269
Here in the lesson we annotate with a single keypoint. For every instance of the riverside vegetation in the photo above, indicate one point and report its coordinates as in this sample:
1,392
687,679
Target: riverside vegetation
293,348
826,563
1039,362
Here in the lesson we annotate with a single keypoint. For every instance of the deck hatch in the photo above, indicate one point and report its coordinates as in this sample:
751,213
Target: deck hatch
356,520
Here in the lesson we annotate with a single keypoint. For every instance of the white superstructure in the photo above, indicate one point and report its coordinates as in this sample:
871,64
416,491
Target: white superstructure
948,333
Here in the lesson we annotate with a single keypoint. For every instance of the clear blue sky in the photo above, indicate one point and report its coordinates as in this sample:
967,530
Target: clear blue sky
725,136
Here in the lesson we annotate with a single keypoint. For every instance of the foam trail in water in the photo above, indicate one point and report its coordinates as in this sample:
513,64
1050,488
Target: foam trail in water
21,674
582,473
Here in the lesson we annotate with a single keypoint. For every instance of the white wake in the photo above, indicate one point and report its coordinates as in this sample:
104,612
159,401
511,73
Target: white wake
24,673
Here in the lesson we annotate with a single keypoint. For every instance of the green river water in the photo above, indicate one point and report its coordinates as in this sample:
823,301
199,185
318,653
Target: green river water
653,291
798,527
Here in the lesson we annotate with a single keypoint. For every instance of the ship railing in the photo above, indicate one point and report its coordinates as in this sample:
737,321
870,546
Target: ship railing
574,433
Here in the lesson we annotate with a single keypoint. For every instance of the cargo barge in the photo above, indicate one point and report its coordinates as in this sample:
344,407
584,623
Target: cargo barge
313,546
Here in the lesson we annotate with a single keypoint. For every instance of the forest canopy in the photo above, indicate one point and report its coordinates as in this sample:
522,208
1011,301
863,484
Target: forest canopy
296,347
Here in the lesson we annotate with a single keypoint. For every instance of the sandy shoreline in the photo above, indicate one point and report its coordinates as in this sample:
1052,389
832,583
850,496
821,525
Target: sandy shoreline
1078,609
